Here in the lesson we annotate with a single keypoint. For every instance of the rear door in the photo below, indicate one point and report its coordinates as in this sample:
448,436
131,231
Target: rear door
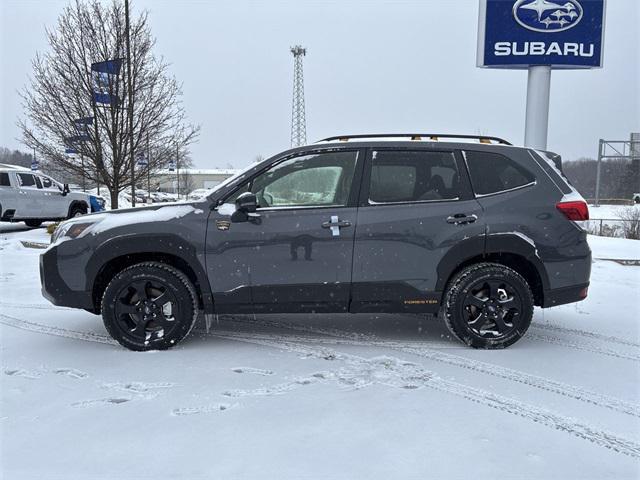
30,196
8,192
296,252
415,206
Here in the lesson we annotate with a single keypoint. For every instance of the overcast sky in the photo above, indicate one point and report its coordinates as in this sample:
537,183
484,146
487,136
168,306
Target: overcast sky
370,67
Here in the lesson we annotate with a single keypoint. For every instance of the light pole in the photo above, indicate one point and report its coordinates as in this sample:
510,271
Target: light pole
148,167
178,169
130,95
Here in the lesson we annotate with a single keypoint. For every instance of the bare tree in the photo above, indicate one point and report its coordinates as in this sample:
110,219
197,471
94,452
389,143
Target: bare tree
187,182
61,91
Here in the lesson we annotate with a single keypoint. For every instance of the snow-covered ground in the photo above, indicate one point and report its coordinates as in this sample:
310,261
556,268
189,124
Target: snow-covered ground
608,212
340,397
605,219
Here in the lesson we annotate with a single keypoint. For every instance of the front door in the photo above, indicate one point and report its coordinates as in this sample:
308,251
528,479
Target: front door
415,206
295,253
55,204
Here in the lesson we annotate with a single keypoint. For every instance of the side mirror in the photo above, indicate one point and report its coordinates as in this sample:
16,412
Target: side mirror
246,203
65,189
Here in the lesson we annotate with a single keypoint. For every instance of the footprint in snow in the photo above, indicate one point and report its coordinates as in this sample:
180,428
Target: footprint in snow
255,371
220,407
137,388
100,401
71,372
19,372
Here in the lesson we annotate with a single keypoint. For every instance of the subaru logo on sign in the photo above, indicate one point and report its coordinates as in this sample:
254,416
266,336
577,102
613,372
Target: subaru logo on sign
547,16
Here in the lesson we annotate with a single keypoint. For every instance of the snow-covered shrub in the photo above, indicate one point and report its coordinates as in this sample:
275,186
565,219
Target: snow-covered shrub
630,220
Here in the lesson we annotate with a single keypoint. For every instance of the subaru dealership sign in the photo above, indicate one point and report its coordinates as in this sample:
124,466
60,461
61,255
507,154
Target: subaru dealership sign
524,33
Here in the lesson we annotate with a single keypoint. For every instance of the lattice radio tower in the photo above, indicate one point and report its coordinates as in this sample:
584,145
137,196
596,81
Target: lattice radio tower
298,120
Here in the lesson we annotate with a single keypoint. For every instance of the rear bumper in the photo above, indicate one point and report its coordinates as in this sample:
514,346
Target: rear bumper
561,296
55,289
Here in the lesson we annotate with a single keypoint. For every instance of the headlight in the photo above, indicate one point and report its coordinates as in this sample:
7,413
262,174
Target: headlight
71,230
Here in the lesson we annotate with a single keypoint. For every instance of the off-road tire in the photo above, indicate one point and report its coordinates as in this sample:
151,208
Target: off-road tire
175,281
77,210
458,288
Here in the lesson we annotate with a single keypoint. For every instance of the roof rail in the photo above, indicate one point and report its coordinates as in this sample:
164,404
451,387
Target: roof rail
417,136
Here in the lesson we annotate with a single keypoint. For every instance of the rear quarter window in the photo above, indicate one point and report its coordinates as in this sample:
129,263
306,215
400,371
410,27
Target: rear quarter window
494,173
4,179
551,169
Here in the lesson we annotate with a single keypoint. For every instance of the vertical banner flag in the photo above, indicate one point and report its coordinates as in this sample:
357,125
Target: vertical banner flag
172,165
82,128
141,159
34,164
104,77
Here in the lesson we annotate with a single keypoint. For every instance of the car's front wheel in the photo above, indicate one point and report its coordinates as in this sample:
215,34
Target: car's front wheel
33,223
488,305
149,306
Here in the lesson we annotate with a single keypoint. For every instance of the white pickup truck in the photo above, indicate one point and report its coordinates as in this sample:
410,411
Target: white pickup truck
33,198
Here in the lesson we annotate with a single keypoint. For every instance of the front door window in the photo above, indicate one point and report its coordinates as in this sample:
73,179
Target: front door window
316,180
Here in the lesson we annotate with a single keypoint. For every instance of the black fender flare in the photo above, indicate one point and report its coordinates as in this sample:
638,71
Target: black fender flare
482,246
76,203
148,246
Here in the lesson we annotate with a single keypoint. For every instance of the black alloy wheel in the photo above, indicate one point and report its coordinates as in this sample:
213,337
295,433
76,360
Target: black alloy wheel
149,306
493,308
488,305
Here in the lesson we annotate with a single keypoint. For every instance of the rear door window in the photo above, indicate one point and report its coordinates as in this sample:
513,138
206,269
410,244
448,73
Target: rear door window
4,179
493,173
413,176
27,180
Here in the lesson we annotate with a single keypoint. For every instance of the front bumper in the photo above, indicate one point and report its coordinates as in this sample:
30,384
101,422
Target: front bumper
55,289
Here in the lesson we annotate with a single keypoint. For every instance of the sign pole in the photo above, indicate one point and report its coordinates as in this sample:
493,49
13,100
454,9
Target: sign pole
178,169
536,123
84,182
148,167
598,168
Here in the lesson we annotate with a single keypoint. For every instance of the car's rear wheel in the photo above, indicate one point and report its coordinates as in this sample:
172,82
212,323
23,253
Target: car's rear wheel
33,223
149,306
488,305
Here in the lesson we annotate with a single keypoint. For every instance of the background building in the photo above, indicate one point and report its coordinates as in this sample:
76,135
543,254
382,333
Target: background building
188,179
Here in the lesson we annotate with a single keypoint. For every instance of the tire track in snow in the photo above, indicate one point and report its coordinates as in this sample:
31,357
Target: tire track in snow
567,390
55,331
419,377
584,333
36,306
535,325
585,347
561,388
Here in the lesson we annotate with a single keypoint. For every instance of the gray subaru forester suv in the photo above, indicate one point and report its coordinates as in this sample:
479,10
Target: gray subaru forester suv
472,228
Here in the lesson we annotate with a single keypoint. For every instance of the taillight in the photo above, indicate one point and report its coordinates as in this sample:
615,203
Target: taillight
576,211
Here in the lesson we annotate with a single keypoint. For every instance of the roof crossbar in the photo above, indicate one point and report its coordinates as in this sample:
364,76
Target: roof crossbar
417,136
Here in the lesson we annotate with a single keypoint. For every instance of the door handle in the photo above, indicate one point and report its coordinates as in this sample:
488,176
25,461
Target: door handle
335,225
461,219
